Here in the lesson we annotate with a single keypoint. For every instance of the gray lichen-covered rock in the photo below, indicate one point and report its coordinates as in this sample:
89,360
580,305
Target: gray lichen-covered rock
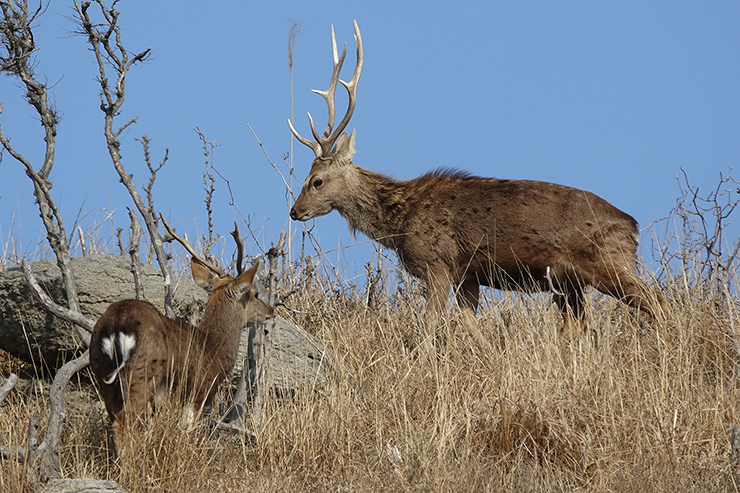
29,332
82,485
297,359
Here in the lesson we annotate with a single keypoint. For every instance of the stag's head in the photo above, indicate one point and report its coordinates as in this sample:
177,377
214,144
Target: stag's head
334,149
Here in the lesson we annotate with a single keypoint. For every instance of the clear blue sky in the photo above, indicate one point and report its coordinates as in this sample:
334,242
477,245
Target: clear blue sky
612,97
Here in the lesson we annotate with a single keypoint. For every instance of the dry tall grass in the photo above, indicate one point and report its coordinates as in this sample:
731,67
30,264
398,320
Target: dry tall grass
649,408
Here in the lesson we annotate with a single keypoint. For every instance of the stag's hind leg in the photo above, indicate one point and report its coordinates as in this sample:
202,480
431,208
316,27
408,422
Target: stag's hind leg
630,289
142,386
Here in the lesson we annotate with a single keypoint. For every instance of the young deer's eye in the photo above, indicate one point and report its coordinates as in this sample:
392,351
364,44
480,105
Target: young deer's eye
318,182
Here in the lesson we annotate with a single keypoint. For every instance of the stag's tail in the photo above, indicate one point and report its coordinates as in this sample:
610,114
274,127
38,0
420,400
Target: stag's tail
118,346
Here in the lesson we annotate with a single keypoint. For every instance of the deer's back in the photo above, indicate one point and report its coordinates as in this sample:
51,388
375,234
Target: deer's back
466,222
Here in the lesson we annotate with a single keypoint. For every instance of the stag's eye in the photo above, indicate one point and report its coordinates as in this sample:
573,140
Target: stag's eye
318,182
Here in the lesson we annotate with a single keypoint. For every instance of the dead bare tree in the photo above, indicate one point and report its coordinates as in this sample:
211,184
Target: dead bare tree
16,60
104,37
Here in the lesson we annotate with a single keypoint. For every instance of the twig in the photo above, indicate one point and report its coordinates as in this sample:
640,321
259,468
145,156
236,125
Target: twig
82,241
9,384
285,182
549,281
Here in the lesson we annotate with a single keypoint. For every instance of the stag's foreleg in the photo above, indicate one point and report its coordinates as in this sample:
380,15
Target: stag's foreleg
569,298
437,289
468,294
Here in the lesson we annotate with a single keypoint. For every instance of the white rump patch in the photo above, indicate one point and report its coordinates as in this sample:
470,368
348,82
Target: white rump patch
125,344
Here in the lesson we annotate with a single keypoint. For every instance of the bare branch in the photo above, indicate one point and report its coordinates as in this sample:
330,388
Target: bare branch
105,41
272,257
17,40
13,453
209,149
72,316
49,448
134,254
153,170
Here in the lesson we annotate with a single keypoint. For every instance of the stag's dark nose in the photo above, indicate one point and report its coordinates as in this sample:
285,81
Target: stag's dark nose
293,214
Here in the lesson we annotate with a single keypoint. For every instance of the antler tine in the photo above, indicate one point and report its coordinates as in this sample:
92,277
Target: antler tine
351,87
328,95
314,146
215,268
324,143
239,249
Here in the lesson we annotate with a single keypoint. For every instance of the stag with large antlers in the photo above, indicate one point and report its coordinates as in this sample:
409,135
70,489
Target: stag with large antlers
138,355
457,231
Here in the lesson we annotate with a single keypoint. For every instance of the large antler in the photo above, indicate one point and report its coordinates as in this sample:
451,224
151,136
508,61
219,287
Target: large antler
324,143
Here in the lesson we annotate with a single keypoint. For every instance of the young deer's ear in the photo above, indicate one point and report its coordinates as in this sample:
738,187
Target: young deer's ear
202,276
345,148
243,284
248,275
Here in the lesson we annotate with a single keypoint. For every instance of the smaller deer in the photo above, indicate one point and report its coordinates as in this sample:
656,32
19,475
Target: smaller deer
139,356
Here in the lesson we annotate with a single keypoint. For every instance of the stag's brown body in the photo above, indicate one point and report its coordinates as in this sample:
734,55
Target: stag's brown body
139,356
456,231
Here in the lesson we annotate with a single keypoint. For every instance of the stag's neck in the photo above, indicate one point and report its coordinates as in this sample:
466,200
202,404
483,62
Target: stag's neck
373,205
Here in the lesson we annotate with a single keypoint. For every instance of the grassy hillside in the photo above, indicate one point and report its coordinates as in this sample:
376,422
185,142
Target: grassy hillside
647,407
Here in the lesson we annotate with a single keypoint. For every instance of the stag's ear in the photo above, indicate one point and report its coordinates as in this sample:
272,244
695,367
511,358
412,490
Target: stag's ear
202,276
345,148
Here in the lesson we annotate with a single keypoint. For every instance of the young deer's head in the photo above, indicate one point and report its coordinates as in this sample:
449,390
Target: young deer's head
330,178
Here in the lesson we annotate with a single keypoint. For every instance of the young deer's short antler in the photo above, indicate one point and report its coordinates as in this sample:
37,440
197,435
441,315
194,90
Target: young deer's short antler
323,143
195,257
